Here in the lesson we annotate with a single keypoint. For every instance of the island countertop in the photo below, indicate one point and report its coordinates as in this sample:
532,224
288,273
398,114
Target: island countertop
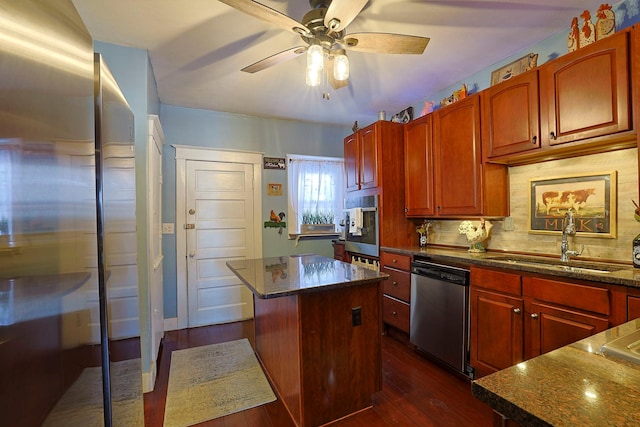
294,274
575,385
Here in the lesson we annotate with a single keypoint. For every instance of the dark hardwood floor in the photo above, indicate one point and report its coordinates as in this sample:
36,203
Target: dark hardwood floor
416,391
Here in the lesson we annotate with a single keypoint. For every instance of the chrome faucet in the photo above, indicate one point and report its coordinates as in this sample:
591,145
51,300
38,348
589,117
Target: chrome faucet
568,229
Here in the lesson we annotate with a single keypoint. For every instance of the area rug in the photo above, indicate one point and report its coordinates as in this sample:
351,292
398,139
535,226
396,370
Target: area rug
212,381
81,405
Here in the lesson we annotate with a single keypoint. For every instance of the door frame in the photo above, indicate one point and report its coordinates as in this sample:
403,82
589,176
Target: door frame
186,153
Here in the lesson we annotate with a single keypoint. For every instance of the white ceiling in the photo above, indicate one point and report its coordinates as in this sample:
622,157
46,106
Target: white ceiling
197,48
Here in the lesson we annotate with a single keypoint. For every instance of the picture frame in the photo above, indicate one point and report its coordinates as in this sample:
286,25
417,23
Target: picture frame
274,189
514,68
592,198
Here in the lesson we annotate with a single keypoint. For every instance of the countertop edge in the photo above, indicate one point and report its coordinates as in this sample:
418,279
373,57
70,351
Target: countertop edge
625,276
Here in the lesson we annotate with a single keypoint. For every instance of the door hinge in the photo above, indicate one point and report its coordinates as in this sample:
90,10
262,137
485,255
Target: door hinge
189,226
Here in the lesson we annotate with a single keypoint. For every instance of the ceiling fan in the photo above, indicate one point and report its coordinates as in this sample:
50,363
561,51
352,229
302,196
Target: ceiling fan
323,31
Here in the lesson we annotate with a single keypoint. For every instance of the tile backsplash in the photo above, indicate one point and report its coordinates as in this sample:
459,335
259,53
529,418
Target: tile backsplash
624,162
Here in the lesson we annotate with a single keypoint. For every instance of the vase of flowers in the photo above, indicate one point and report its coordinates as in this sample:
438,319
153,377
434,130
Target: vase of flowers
423,231
476,234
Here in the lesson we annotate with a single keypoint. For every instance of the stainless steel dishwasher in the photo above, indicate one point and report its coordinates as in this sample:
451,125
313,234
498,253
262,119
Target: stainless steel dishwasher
440,313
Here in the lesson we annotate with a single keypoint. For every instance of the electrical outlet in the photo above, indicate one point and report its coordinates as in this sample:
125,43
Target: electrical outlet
508,224
167,228
356,316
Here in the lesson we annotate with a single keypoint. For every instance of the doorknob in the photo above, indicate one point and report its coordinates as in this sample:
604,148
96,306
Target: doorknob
192,254
192,211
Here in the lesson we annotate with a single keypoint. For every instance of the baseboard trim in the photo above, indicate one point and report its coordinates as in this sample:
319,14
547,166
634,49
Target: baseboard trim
171,324
149,378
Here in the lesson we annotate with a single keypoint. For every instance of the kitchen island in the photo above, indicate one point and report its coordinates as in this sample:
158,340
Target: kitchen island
575,385
318,329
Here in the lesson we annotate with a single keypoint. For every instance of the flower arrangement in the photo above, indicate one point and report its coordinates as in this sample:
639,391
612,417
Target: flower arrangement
423,231
476,234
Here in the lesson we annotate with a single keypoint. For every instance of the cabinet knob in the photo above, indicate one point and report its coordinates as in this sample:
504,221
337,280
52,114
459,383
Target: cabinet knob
394,283
534,140
394,261
552,135
394,313
534,315
516,310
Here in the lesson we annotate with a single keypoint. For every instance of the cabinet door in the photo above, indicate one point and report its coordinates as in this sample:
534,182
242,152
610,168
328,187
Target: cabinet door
352,162
368,158
553,327
586,93
510,116
457,158
418,168
633,307
496,331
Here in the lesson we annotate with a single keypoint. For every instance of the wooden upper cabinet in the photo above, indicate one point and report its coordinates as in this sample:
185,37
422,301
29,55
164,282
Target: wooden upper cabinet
418,167
352,162
457,158
511,116
586,93
369,157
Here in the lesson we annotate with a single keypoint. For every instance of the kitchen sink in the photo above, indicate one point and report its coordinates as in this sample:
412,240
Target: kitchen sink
626,347
555,264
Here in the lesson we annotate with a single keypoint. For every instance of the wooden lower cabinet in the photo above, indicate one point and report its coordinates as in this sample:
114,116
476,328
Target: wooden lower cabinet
633,307
554,327
515,318
496,331
396,301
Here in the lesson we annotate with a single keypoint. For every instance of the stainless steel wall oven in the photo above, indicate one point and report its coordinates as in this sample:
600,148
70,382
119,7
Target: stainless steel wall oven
361,226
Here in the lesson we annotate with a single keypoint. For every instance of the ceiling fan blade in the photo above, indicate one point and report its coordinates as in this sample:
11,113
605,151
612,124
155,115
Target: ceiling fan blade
335,84
276,59
267,14
341,12
385,43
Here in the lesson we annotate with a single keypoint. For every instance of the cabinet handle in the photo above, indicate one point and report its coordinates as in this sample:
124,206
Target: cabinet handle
534,140
552,135
516,310
394,261
394,283
394,313
534,315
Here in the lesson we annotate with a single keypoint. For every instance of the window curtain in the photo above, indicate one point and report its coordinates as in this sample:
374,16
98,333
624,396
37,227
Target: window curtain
316,186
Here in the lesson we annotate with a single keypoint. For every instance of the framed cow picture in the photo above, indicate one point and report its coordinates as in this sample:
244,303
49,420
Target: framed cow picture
591,198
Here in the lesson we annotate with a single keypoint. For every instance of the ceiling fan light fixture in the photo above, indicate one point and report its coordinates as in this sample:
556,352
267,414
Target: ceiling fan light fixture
340,65
315,57
313,76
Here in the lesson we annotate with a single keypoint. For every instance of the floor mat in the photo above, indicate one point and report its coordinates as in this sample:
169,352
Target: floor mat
212,381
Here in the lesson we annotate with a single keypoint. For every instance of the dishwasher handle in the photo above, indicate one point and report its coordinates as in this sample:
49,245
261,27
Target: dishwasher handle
451,275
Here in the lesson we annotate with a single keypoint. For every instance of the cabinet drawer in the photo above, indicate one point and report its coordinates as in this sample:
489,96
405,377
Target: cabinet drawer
509,283
401,262
398,285
395,313
573,295
338,251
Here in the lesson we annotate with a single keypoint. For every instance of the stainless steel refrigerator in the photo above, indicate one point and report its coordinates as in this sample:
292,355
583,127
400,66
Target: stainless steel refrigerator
62,121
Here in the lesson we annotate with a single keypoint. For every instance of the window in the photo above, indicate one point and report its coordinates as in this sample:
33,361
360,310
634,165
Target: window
316,191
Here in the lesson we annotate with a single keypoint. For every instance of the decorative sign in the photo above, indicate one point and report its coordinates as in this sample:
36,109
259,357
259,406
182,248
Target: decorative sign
275,163
274,189
518,66
591,198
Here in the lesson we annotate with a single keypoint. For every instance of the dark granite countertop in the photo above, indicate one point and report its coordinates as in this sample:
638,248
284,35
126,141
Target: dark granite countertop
622,274
295,274
575,385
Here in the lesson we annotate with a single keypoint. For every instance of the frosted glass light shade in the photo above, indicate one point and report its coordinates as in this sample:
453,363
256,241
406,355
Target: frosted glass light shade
315,57
314,76
341,67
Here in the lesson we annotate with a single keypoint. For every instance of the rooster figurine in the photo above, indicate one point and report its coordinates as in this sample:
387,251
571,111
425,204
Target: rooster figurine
476,234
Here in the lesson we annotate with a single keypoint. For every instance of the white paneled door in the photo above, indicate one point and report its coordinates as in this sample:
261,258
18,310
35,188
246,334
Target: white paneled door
219,227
